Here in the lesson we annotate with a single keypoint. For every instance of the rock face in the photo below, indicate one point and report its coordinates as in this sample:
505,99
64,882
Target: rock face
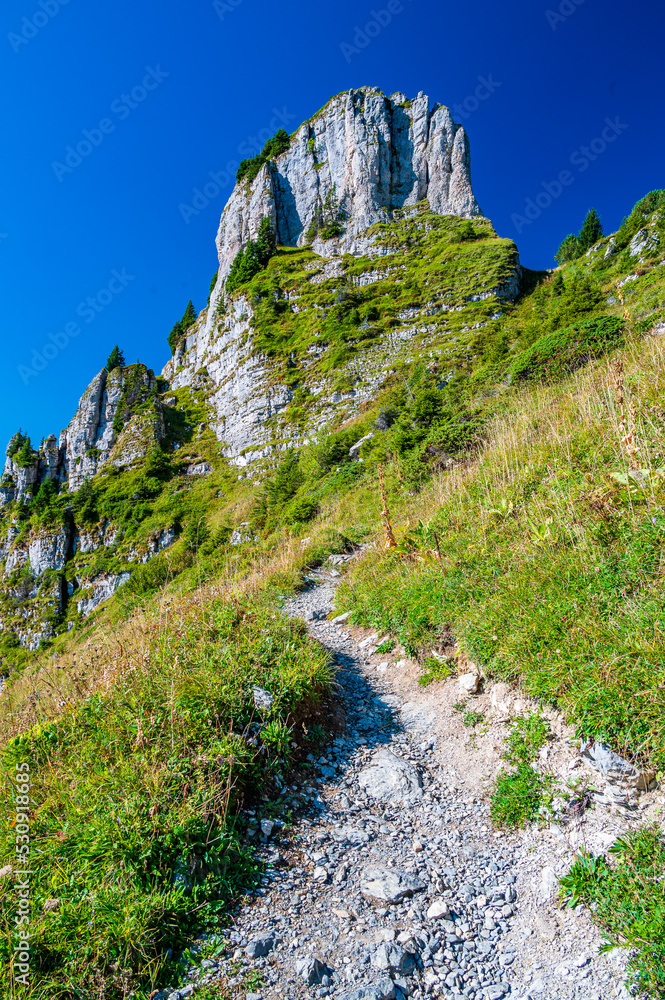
368,152
105,428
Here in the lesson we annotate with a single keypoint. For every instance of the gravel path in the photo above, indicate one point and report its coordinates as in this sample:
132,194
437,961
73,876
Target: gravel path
393,882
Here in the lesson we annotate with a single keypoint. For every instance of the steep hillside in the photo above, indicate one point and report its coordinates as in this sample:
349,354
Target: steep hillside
386,380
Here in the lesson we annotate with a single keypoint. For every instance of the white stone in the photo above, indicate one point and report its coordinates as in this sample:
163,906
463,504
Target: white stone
469,683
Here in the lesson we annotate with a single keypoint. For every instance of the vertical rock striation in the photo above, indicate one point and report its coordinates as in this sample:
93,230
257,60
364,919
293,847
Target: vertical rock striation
371,154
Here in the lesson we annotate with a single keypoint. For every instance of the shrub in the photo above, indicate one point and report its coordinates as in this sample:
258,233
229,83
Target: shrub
564,351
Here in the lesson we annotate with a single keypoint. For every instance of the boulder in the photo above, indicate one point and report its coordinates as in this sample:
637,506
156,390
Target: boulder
390,779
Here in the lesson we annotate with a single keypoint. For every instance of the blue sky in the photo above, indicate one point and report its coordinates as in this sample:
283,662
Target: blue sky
181,89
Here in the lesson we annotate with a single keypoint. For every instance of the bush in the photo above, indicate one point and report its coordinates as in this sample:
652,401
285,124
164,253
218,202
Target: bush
564,351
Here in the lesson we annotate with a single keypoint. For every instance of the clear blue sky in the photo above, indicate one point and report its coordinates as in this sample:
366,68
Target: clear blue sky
209,79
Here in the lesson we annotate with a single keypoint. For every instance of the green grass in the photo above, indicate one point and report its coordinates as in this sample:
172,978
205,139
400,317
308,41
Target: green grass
434,670
518,796
135,791
624,892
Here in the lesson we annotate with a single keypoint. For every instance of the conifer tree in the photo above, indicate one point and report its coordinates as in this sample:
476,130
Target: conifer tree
591,231
189,318
265,241
568,250
116,359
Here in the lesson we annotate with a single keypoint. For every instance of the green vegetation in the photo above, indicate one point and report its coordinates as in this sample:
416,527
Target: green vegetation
181,327
624,892
527,735
327,220
116,359
522,455
574,246
253,257
519,795
16,443
249,168
138,786
434,670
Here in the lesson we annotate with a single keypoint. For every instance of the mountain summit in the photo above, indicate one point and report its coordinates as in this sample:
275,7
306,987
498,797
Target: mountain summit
368,154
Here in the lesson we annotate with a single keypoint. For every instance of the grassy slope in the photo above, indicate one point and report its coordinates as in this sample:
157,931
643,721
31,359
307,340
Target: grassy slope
550,574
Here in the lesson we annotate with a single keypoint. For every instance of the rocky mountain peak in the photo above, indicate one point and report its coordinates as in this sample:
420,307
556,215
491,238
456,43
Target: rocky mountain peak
355,161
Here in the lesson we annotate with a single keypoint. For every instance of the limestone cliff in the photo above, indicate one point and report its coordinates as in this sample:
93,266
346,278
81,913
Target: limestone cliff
371,154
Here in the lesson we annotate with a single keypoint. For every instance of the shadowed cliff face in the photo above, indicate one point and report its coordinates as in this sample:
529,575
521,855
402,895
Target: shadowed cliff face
370,153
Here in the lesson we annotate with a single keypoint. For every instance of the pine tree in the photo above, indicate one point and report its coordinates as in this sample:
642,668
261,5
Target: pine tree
569,250
591,231
116,359
189,318
265,241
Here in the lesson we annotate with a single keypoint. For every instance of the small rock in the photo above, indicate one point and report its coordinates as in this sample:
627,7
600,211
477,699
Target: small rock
384,989
391,957
548,884
7,870
391,779
469,683
267,826
390,885
341,618
439,908
312,970
260,947
262,698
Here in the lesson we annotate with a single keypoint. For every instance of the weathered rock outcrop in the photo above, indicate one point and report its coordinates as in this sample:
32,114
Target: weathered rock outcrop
370,154
106,426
